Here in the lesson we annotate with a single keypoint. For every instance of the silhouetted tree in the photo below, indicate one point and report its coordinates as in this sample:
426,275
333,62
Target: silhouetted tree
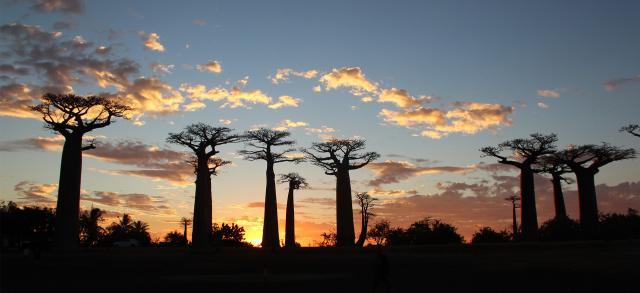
337,157
514,199
185,222
620,226
203,140
26,225
633,129
560,229
555,168
72,116
261,143
328,239
585,161
488,235
174,238
295,181
126,229
379,232
228,235
90,231
366,202
524,153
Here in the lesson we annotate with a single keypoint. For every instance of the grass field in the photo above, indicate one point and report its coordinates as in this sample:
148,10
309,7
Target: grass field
558,267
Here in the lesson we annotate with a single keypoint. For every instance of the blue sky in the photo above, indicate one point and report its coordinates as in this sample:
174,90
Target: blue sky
497,53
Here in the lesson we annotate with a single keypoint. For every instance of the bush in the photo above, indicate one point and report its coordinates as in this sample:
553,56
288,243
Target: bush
560,229
619,226
488,235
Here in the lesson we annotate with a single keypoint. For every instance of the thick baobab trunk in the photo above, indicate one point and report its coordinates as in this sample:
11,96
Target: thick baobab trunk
587,203
68,205
558,198
270,237
344,211
201,231
528,213
290,231
363,230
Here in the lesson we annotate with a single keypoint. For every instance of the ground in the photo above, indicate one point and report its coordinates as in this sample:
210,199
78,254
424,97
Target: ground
543,267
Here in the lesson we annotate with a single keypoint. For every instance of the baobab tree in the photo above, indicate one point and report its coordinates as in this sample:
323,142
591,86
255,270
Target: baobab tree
524,153
203,140
585,161
73,116
295,182
556,168
633,129
186,222
337,157
366,202
261,143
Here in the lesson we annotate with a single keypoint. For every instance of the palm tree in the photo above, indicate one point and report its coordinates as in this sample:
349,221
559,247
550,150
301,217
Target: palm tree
90,230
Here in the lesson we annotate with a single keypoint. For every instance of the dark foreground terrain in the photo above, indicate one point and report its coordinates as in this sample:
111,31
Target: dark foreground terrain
566,267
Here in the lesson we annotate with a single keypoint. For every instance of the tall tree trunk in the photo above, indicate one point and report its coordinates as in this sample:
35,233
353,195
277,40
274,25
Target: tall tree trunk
363,230
290,233
344,211
68,204
558,198
587,203
201,231
270,237
528,213
186,240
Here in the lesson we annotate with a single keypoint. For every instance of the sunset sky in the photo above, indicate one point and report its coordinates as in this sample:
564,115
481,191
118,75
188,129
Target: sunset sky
426,83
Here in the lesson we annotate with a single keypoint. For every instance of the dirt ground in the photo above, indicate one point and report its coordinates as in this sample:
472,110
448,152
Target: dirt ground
543,267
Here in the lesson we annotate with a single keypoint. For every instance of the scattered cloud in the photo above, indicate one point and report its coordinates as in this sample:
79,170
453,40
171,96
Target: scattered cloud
549,93
282,74
389,171
48,6
285,101
614,84
211,66
225,121
36,193
349,77
366,99
234,98
199,21
392,192
53,143
151,42
162,68
286,124
401,98
543,105
459,117
137,201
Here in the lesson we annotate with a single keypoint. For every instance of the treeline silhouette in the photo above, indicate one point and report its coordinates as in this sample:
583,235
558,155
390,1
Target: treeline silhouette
73,116
33,228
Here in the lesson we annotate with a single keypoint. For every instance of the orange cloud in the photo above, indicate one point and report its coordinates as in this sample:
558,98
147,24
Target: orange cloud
388,172
282,74
152,42
211,66
285,101
349,77
460,117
